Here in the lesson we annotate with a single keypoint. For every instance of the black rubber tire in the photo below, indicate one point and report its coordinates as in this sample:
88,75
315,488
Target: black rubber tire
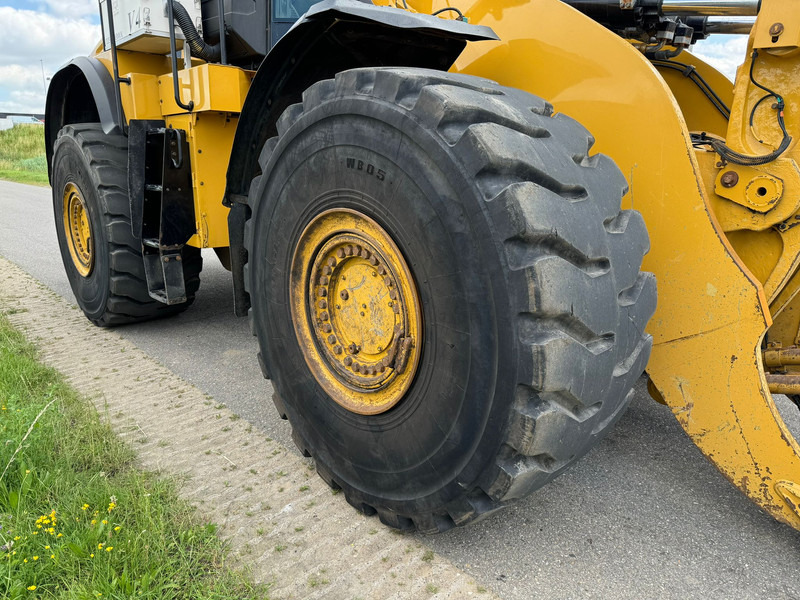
534,307
115,291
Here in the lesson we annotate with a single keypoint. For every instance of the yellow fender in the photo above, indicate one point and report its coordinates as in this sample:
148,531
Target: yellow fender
712,312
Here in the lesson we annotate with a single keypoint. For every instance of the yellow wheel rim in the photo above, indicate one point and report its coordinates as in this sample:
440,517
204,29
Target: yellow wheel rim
78,230
356,311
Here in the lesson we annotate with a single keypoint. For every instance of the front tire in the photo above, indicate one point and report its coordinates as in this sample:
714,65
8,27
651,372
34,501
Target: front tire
533,308
103,260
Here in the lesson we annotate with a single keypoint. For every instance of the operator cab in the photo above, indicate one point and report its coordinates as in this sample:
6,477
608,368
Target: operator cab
253,27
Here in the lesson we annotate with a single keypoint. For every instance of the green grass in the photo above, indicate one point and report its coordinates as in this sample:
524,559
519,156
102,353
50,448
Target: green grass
78,521
22,156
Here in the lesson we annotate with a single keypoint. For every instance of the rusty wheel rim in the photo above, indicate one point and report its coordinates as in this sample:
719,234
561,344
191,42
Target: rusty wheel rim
356,311
78,229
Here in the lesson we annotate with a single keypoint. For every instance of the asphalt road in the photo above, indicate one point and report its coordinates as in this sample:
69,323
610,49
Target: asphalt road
644,515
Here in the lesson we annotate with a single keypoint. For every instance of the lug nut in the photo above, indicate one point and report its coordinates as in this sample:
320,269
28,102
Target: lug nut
324,280
338,349
347,361
340,252
326,328
331,262
324,315
331,339
326,270
323,292
323,304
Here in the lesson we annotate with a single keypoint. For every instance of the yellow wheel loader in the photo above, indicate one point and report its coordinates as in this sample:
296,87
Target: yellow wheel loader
442,265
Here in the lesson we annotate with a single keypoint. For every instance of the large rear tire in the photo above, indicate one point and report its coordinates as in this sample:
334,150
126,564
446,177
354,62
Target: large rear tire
102,259
521,269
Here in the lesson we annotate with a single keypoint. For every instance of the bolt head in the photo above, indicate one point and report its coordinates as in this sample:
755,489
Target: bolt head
729,179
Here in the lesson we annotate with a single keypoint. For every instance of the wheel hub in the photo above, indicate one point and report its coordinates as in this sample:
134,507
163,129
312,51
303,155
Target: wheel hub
355,311
78,230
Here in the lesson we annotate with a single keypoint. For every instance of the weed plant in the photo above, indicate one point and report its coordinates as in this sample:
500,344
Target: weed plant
78,521
22,155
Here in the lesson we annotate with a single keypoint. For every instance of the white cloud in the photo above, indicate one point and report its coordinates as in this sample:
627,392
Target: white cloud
724,52
32,41
72,8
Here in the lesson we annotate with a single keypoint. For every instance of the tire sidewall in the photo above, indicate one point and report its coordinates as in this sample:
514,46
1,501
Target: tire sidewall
423,453
70,166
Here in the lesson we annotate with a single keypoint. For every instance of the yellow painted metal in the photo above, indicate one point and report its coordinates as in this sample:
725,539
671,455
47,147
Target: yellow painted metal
78,229
217,88
218,93
210,135
698,111
712,312
356,311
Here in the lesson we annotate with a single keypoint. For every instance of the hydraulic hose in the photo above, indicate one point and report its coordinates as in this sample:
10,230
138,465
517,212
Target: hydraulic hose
198,46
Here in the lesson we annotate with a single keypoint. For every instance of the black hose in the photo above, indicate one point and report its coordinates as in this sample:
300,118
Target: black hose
197,45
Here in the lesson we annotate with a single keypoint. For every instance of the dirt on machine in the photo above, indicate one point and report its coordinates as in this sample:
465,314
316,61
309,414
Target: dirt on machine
446,225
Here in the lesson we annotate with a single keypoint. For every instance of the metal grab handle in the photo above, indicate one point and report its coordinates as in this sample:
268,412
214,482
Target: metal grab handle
173,53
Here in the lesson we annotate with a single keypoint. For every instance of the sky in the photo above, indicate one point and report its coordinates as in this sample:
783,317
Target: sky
37,37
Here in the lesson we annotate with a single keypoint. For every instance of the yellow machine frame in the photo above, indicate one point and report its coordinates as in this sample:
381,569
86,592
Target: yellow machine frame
725,256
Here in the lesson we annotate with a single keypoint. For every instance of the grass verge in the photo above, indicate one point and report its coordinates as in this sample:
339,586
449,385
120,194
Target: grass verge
78,520
22,156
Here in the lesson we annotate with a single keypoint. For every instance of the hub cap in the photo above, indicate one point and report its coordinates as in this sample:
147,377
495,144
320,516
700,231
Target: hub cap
355,311
78,230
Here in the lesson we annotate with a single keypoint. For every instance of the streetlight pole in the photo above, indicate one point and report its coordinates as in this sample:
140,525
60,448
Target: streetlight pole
44,82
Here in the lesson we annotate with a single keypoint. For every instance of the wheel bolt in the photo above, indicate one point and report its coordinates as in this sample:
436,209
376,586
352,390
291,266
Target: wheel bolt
393,294
347,361
326,270
331,262
324,315
340,252
323,304
344,295
382,270
324,280
331,339
387,281
326,327
323,292
338,349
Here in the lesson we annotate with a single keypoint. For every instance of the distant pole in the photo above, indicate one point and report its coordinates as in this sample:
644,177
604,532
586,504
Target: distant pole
44,82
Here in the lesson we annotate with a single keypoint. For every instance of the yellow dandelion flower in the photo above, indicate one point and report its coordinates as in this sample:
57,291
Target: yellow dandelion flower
24,560
27,471
117,528
31,588
109,549
35,558
16,538
94,521
35,533
53,556
51,531
100,546
84,507
91,555
59,535
105,522
47,547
